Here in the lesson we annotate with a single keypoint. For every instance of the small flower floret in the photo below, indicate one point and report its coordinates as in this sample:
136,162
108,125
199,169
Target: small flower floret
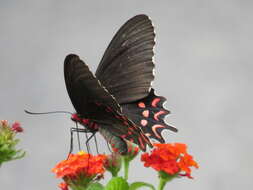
63,186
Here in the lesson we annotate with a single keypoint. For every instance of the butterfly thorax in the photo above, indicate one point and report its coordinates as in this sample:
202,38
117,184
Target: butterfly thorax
87,123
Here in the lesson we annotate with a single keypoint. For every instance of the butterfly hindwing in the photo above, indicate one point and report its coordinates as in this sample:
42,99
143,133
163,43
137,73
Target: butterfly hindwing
126,69
148,113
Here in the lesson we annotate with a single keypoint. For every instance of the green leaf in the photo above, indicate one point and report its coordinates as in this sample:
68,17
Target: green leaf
95,186
137,185
117,183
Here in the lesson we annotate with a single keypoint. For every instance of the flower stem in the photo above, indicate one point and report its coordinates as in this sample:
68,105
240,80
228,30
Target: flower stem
162,183
164,179
126,167
114,174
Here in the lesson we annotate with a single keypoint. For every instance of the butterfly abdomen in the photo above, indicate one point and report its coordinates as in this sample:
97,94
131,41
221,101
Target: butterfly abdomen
117,143
149,114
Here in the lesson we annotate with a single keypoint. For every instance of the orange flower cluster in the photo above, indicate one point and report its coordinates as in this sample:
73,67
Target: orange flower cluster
170,158
81,164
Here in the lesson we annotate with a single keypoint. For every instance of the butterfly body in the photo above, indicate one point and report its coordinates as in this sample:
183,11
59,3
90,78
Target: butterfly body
118,100
87,123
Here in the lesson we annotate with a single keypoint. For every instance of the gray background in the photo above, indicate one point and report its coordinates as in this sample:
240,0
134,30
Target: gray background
203,58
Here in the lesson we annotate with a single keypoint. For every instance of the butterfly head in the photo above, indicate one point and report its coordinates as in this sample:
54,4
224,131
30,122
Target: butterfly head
75,117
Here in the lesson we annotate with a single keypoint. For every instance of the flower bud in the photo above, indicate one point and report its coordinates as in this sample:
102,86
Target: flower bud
113,163
133,151
17,127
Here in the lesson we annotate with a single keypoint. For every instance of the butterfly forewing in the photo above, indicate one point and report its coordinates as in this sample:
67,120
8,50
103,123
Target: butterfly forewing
84,89
126,69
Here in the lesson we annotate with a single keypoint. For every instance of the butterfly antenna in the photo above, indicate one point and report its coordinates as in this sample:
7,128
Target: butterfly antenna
50,112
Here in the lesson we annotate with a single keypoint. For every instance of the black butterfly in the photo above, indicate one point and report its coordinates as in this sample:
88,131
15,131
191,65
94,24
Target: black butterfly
118,100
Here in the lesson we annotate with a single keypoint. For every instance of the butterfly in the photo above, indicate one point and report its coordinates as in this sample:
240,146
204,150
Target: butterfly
118,101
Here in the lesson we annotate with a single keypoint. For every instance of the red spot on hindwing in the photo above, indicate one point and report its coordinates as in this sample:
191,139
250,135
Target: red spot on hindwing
145,113
155,101
156,115
144,122
154,128
141,105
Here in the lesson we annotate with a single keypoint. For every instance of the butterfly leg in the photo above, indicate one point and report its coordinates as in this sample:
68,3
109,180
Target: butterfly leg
95,138
88,146
78,137
72,130
87,141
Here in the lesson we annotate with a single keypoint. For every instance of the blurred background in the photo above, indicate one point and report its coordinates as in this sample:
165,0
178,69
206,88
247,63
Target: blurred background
203,66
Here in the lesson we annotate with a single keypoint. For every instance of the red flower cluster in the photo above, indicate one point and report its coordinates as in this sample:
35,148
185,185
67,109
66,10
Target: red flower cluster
170,158
81,164
16,127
